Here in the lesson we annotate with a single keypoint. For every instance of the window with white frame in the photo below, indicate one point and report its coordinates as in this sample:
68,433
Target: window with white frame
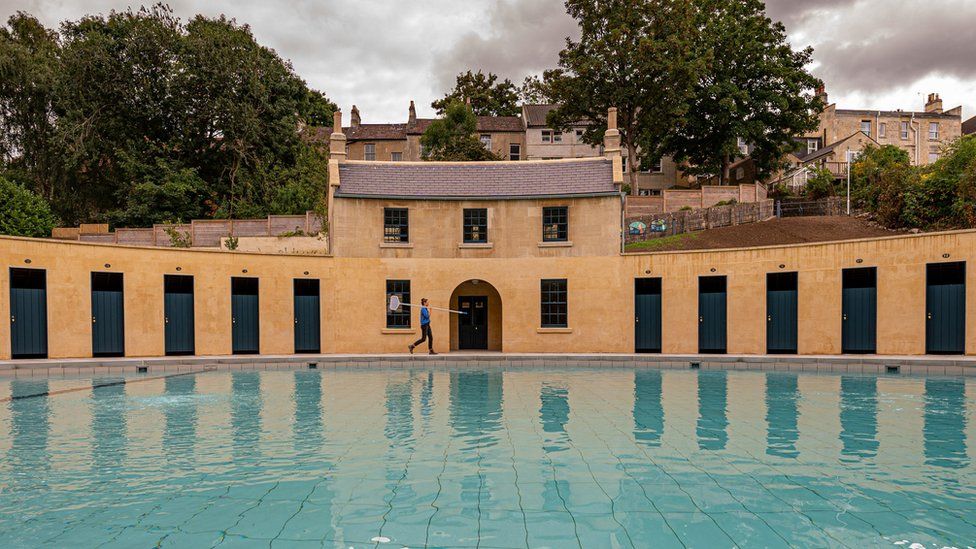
486,141
396,156
866,127
812,145
934,131
882,130
552,136
904,130
742,145
369,151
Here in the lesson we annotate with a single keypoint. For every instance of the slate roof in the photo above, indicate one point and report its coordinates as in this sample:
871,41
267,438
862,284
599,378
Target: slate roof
830,148
485,124
476,180
969,126
362,132
535,116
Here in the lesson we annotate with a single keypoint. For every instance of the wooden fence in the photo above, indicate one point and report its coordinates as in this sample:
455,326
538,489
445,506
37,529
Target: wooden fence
672,200
685,221
203,233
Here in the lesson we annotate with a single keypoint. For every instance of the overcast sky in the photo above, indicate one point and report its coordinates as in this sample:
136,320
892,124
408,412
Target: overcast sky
380,54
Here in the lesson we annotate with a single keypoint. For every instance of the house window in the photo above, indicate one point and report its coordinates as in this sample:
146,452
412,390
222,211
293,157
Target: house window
934,154
579,135
934,131
395,225
475,225
555,224
882,130
904,130
514,151
812,146
552,136
553,302
486,141
655,166
623,163
742,145
396,156
866,127
740,174
369,151
399,318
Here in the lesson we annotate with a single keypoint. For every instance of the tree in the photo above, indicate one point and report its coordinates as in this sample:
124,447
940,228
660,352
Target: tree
755,87
452,137
637,56
821,184
534,91
89,114
487,95
23,213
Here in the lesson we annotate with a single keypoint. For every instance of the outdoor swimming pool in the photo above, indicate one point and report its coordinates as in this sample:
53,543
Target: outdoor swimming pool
489,458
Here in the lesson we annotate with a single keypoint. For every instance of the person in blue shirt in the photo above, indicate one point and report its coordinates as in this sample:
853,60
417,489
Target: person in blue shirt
425,333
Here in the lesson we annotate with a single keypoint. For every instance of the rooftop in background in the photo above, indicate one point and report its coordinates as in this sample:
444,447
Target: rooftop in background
476,180
823,151
969,126
535,115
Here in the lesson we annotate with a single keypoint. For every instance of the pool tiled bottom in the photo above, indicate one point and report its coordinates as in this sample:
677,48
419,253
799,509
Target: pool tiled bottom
490,458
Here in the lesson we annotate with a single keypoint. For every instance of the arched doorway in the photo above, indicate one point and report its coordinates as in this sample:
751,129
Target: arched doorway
481,328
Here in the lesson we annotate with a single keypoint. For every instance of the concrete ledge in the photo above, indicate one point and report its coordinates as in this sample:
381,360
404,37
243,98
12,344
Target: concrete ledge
860,364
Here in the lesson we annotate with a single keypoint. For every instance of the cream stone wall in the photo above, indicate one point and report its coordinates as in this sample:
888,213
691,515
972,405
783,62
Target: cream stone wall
600,295
356,150
514,228
837,124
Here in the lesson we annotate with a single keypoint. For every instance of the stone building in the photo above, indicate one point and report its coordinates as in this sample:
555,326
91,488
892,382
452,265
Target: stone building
969,126
922,134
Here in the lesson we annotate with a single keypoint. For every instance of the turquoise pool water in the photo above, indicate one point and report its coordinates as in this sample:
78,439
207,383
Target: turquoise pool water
469,458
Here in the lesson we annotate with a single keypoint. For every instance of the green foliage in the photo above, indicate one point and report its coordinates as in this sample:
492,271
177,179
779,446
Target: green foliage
685,209
23,213
452,137
487,95
673,242
232,242
731,202
939,196
178,238
820,185
639,57
88,113
535,92
755,87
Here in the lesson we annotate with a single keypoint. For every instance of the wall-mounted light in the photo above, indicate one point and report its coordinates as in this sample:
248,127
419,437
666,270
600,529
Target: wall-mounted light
108,265
647,272
782,266
306,273
27,261
244,271
712,269
945,256
178,269
859,260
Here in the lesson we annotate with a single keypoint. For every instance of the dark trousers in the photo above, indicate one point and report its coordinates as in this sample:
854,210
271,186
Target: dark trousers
425,334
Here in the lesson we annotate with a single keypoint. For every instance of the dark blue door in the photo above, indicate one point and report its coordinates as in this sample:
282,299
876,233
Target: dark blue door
307,317
647,315
245,331
945,317
712,327
107,320
781,313
473,326
178,314
859,315
28,313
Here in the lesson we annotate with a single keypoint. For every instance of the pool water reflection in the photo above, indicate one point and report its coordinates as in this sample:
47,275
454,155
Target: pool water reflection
490,458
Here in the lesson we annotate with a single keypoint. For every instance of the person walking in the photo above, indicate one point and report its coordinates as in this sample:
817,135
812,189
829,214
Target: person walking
425,333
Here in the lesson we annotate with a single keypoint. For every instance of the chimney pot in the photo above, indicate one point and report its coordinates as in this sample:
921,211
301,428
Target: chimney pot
354,119
934,103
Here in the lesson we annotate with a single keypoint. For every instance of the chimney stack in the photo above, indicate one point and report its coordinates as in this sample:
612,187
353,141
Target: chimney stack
934,104
822,94
337,141
413,114
611,147
354,119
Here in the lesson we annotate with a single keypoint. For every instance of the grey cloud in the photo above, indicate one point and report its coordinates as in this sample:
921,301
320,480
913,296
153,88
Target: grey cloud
793,12
522,38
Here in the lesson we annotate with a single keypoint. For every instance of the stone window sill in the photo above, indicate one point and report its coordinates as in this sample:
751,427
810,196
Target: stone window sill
559,244
402,245
554,330
396,331
476,245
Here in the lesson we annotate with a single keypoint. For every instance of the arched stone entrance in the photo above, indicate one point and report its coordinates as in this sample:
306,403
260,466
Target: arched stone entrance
481,328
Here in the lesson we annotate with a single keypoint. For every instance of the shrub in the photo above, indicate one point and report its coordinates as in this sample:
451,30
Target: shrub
820,185
23,213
